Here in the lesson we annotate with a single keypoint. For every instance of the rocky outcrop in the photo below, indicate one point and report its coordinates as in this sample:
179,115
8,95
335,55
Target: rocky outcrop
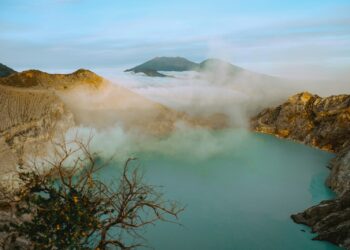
323,123
329,219
310,119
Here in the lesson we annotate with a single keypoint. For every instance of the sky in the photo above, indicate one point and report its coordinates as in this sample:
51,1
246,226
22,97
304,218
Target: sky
307,39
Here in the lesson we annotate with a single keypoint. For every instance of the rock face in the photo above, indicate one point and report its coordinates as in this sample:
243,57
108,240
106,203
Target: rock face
316,121
323,123
329,219
32,113
5,71
339,179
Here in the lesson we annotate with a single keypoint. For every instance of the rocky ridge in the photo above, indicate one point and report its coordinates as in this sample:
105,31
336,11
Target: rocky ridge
323,123
41,80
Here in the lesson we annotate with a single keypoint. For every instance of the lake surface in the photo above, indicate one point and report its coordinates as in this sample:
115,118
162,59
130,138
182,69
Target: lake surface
239,189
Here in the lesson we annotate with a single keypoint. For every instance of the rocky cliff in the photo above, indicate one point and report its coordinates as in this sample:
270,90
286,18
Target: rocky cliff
323,123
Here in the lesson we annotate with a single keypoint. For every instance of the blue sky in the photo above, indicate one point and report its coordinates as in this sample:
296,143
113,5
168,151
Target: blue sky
299,38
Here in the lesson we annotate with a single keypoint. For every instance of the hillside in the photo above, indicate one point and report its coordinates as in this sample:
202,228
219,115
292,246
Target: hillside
32,113
217,65
39,80
165,64
5,71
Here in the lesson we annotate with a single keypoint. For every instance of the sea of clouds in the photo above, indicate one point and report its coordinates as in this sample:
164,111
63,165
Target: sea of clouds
199,94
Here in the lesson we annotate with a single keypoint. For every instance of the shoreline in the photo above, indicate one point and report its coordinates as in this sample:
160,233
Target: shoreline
322,123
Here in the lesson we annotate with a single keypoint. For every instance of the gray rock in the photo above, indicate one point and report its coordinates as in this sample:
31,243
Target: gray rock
329,219
339,179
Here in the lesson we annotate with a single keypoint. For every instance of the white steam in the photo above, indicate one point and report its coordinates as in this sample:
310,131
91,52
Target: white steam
239,97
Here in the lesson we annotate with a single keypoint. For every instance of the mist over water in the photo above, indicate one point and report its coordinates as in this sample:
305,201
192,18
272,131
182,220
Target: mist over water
240,97
203,94
240,188
191,131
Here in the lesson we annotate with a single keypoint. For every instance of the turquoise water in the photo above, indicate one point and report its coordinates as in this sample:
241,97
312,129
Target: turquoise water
240,196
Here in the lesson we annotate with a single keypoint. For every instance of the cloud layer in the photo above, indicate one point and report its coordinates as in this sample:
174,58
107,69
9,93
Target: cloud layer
298,39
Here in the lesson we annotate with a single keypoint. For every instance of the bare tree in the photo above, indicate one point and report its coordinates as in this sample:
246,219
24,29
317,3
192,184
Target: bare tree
62,204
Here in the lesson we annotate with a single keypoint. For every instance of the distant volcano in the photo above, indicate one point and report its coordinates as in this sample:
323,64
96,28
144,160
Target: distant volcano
151,67
214,68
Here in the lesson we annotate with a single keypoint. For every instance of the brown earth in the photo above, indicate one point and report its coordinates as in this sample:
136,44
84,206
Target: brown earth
38,79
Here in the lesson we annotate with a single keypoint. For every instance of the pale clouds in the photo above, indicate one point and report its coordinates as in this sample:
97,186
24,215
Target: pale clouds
290,41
